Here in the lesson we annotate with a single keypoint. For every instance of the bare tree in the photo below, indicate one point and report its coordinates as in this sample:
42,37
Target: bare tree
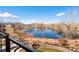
71,31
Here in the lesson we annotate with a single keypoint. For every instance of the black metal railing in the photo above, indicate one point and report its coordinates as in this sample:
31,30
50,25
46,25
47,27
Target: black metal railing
8,45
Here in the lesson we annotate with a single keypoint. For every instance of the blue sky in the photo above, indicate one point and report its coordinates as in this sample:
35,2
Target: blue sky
38,14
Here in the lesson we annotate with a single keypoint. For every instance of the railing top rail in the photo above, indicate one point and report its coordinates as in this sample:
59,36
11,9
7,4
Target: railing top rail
2,34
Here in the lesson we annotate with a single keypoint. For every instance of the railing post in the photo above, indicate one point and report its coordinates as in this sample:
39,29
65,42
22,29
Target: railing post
0,42
7,43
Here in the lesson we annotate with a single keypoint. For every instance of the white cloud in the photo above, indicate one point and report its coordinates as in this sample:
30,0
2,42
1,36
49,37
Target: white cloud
60,14
6,14
8,17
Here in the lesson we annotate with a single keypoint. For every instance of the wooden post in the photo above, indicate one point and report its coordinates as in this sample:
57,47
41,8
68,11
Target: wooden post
7,43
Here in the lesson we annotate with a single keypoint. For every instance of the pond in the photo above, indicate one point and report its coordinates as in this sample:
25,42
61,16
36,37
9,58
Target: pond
46,33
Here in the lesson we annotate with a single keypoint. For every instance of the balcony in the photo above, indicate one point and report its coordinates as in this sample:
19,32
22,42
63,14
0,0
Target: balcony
10,41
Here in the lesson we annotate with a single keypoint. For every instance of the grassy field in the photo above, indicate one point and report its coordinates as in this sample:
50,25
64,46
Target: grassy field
43,48
49,50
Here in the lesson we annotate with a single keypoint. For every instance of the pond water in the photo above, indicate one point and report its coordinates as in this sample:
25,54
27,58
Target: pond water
47,33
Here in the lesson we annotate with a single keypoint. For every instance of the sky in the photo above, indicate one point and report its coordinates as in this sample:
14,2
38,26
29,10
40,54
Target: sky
39,14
